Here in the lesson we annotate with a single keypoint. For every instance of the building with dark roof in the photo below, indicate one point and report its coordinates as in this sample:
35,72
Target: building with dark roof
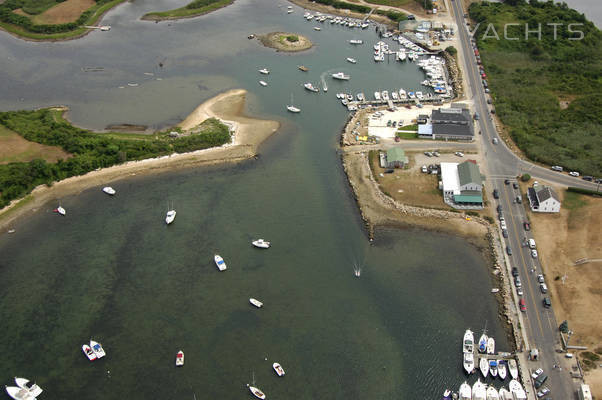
452,123
543,199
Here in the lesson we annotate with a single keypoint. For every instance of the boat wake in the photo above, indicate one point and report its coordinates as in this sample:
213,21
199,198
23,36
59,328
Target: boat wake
357,270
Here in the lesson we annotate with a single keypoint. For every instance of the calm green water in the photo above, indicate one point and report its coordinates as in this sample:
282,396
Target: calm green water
113,271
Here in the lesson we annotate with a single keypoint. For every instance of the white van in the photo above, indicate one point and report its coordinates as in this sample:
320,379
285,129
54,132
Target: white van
532,244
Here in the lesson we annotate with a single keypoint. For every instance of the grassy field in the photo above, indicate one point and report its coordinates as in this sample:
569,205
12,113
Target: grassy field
13,148
392,3
546,92
196,8
67,11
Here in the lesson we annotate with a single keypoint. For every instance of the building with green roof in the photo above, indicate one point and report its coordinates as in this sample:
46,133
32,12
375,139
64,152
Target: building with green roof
396,158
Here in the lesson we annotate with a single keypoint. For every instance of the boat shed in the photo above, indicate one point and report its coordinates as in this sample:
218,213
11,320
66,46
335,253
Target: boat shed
462,185
396,158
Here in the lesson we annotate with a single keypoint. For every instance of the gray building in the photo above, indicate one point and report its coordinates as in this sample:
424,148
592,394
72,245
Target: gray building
452,123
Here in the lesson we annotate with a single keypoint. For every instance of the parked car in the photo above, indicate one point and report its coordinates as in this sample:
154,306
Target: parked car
505,233
574,173
495,141
517,282
527,226
534,253
499,208
522,305
547,303
519,199
459,154
543,287
540,380
519,291
540,278
514,272
508,250
515,185
536,373
588,178
503,224
543,392
488,101
436,153
557,168
507,181
496,194
487,90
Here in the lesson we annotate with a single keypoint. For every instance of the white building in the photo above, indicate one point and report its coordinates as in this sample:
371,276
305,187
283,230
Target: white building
462,184
543,199
584,392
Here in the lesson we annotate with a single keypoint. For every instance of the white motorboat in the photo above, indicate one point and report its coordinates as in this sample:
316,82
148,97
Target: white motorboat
377,95
18,393
97,349
505,395
262,244
351,60
88,352
264,71
490,345
317,28
493,367
33,390
513,368
180,358
289,11
384,95
341,76
479,391
278,368
291,107
60,210
468,342
263,83
468,362
171,215
356,41
494,290
109,190
501,369
465,392
310,87
518,393
446,394
492,393
256,302
402,94
483,343
219,261
484,366
256,392
394,95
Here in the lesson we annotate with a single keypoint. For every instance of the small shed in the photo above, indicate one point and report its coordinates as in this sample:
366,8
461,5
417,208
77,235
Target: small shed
396,158
422,119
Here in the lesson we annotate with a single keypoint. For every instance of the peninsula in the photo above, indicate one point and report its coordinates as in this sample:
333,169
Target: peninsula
191,10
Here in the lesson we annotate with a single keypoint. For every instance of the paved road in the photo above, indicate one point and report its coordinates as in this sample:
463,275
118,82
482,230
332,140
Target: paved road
539,322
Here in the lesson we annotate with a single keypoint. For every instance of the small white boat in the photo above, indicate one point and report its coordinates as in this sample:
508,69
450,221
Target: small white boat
501,369
468,341
492,393
468,362
256,302
97,349
33,390
479,391
377,95
60,210
495,290
465,392
351,60
505,394
291,107
493,367
263,83
341,76
264,71
513,368
317,28
219,261
256,392
490,345
109,190
278,368
289,11
310,87
262,244
18,393
484,366
180,358
483,343
88,352
356,41
385,95
171,215
446,394
517,390
11,231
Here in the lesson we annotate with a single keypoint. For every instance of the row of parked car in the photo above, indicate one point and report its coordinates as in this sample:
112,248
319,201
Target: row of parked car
576,174
539,378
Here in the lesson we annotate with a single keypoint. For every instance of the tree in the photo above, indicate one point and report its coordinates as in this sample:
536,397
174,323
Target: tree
525,178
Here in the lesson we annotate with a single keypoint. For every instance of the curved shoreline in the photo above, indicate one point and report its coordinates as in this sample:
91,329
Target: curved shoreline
155,15
229,106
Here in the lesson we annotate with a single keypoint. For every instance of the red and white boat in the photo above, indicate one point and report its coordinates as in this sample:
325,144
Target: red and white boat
278,368
180,358
88,352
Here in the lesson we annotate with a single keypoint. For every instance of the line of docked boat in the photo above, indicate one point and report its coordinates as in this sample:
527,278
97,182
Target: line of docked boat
481,391
335,20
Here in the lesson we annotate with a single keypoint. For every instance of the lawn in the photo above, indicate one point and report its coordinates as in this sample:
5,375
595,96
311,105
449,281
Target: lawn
67,11
197,7
13,148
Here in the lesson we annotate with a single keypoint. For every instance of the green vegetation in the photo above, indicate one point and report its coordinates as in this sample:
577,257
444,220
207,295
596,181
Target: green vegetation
407,135
427,4
413,127
451,50
90,150
489,219
196,8
393,15
21,25
547,92
573,201
34,7
525,177
589,360
583,191
292,38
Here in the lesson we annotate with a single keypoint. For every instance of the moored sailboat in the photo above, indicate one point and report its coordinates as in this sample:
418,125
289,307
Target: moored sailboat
278,368
291,107
490,345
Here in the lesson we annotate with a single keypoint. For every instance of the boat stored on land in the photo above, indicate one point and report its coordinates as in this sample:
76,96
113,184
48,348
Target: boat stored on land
278,368
180,358
219,262
256,302
262,244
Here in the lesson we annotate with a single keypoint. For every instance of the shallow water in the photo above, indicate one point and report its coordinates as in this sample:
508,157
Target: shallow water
113,271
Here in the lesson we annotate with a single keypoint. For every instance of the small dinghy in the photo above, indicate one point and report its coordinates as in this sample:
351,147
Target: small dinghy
60,210
278,368
263,83
109,190
260,243
88,352
256,302
180,358
219,261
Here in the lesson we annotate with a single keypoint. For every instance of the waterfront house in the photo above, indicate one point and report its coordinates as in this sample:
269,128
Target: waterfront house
543,199
462,185
396,158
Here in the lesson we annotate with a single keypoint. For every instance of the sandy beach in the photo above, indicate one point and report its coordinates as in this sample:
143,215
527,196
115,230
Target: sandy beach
249,133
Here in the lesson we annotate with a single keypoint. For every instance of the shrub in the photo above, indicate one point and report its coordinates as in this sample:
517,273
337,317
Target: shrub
583,191
292,38
525,178
451,50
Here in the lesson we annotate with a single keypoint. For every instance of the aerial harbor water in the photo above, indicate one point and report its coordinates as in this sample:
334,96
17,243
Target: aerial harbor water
112,270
